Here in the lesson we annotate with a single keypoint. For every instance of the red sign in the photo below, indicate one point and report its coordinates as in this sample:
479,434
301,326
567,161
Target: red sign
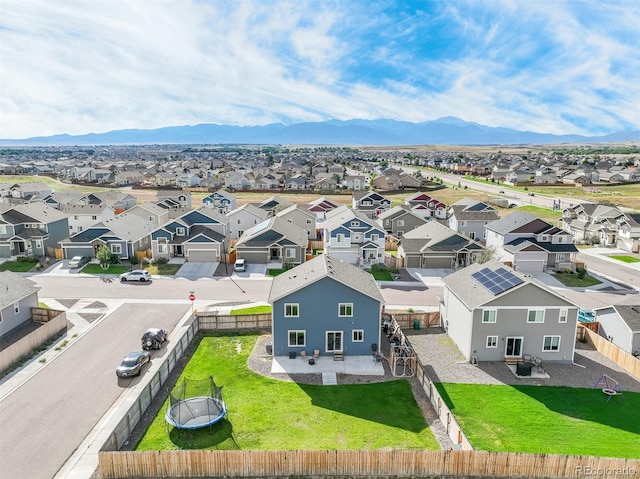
192,297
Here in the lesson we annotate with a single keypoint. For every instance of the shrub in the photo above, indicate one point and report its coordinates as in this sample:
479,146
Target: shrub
27,259
581,273
161,260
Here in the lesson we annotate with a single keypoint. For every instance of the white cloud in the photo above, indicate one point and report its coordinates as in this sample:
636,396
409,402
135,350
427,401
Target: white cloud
77,67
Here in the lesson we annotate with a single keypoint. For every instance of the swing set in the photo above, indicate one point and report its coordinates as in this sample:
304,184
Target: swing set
609,386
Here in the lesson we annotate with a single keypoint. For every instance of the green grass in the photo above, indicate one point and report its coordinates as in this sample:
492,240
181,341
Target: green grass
168,269
93,268
266,414
17,266
253,310
625,258
381,275
317,252
547,420
572,281
275,271
546,214
393,252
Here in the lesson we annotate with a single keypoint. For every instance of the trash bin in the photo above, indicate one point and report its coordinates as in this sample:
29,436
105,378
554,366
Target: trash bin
292,354
269,348
416,324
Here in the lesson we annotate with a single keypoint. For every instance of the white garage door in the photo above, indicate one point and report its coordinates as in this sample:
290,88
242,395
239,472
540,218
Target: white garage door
530,266
202,256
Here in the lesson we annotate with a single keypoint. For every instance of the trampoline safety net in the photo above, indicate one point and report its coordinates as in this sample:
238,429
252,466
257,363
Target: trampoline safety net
195,404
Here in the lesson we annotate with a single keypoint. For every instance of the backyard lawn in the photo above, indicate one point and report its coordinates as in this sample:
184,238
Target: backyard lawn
549,420
266,414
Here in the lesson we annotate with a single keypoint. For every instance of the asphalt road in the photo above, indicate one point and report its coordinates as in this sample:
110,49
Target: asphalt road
43,421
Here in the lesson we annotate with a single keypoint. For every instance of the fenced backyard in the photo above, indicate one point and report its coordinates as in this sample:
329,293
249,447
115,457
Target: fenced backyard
613,352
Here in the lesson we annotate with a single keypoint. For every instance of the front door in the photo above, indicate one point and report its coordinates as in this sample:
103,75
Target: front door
334,341
514,346
178,251
275,253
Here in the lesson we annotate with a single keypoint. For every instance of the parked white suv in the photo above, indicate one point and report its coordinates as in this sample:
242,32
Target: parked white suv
136,275
239,265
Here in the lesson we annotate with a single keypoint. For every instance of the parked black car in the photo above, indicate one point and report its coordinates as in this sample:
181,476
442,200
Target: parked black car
153,338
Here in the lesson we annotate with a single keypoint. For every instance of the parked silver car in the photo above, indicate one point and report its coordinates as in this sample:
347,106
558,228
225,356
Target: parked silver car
136,275
132,364
78,261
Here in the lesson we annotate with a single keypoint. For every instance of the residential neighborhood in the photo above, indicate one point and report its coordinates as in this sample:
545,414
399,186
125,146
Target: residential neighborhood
361,281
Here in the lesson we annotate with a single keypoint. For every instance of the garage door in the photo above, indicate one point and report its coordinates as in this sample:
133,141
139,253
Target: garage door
413,261
252,257
202,256
436,262
530,266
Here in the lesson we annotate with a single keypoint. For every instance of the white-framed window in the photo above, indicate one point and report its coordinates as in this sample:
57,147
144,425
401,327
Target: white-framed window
297,338
240,233
291,310
289,252
38,244
163,248
345,310
489,315
340,238
463,223
564,313
400,223
375,238
492,341
94,218
180,231
16,307
76,217
308,221
472,235
151,218
551,343
357,335
535,316
240,221
355,223
116,248
561,256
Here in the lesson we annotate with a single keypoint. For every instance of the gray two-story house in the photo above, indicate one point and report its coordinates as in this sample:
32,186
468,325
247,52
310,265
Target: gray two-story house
18,296
31,229
494,313
399,220
328,305
470,217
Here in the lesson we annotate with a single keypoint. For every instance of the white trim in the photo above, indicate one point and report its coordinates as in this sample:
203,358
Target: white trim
297,332
564,313
536,321
490,310
551,344
346,306
297,310
361,334
495,344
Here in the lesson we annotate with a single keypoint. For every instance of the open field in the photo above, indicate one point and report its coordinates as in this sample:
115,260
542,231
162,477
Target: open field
548,420
266,414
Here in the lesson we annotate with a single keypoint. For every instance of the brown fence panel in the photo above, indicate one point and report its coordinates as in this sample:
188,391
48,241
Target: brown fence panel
362,463
613,352
43,315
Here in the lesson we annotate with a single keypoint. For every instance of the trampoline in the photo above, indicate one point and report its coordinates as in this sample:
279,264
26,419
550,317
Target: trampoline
195,404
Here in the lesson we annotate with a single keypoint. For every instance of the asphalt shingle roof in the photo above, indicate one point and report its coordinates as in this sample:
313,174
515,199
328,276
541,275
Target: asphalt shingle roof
14,287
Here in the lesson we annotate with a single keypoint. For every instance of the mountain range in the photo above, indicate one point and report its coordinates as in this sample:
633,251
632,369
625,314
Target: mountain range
443,131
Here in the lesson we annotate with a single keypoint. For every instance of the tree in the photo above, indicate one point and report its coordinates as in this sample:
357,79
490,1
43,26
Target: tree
104,256
486,254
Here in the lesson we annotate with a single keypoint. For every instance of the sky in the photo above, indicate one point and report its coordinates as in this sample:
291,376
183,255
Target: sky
92,66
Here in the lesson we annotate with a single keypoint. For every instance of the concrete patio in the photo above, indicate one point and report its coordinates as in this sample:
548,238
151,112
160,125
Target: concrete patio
363,365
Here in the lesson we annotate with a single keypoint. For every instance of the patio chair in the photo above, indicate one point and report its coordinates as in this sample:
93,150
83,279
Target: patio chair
316,354
526,358
539,365
303,355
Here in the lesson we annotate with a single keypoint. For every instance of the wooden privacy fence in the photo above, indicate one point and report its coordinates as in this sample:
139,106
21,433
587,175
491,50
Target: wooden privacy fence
28,343
387,463
212,321
614,352
405,320
393,261
44,315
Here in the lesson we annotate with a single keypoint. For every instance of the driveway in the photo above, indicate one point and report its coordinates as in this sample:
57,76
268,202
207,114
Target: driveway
197,270
252,271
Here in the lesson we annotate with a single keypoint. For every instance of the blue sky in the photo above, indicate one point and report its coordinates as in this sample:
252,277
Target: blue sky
99,65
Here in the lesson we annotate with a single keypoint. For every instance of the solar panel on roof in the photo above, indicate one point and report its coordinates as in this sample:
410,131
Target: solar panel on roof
497,281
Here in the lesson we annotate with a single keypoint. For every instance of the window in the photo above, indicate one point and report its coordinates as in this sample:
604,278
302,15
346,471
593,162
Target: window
400,223
463,223
345,310
296,338
489,315
544,238
116,249
561,256
151,218
308,221
291,310
38,244
563,315
357,335
355,223
240,233
492,341
16,307
76,217
240,221
374,237
289,252
162,246
551,343
535,316
94,218
180,231
340,238
472,235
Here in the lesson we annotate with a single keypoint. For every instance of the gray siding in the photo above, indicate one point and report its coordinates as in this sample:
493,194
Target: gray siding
58,230
10,320
456,319
612,325
319,314
253,256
